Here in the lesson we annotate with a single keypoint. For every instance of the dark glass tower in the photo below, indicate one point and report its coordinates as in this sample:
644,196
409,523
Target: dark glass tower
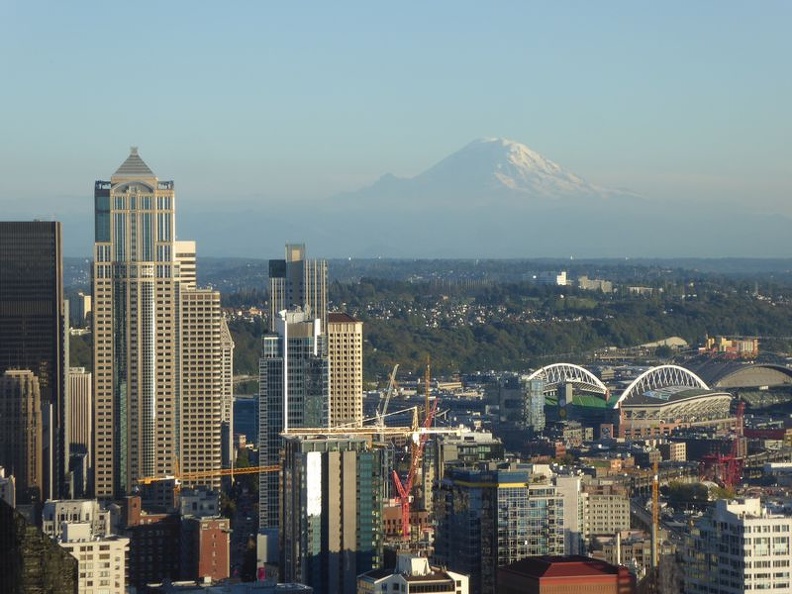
33,328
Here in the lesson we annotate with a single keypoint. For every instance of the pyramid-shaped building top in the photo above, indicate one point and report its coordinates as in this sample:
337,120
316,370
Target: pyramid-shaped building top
134,166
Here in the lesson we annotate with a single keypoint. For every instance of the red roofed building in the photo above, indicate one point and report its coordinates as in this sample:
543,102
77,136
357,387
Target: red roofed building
570,574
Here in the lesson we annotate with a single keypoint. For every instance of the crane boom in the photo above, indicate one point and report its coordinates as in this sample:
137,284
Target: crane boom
196,476
381,414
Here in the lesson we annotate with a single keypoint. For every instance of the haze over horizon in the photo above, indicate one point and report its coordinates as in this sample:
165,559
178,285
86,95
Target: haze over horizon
271,109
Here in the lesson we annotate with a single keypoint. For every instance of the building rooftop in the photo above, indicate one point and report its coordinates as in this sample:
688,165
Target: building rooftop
134,166
340,318
561,566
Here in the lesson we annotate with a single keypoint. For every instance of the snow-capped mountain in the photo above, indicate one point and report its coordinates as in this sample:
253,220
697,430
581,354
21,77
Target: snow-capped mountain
493,198
486,170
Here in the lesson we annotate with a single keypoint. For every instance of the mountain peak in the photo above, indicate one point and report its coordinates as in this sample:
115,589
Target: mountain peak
489,171
491,164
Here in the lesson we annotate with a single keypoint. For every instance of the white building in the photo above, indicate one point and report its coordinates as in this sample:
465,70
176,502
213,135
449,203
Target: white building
739,546
102,561
412,574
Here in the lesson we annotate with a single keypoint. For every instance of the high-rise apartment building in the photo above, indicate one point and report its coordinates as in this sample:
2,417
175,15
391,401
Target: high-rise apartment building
21,431
739,546
158,370
331,525
522,402
204,386
33,322
345,353
494,515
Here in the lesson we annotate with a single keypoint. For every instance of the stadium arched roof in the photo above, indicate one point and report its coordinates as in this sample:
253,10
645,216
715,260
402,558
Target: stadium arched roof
660,377
568,373
741,374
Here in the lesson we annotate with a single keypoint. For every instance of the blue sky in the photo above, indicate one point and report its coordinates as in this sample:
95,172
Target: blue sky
269,101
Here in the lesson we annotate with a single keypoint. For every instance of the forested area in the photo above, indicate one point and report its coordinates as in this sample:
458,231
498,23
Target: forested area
515,326
476,316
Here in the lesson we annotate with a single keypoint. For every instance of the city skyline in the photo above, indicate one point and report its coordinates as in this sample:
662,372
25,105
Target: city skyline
682,104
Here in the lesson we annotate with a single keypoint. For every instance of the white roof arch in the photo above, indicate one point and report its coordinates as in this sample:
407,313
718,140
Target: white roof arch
559,373
662,376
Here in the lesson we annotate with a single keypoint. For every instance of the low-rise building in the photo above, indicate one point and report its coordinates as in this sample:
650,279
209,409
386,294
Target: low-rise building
412,575
572,574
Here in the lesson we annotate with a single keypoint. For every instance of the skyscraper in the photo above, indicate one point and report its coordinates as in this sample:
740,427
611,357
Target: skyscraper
33,324
345,353
21,431
293,392
293,370
297,282
80,425
202,385
332,511
158,363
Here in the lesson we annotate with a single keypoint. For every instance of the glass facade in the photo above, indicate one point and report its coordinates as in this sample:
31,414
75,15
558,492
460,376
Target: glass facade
488,518
33,325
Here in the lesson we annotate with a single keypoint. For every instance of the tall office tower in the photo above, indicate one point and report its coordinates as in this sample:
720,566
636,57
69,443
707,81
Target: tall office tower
21,432
739,546
33,322
80,425
157,364
135,326
293,386
297,282
494,515
331,526
345,353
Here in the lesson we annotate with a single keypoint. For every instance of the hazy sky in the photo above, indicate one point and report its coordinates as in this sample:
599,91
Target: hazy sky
273,100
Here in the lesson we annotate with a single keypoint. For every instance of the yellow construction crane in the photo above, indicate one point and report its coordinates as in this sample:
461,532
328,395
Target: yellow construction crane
208,474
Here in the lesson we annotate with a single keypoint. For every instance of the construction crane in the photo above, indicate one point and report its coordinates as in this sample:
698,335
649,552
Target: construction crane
382,413
404,488
655,515
726,469
208,474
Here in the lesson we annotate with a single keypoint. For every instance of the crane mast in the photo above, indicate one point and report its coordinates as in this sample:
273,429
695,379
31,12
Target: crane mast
419,442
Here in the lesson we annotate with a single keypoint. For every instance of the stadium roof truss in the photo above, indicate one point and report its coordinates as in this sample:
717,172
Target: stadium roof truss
662,376
568,373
